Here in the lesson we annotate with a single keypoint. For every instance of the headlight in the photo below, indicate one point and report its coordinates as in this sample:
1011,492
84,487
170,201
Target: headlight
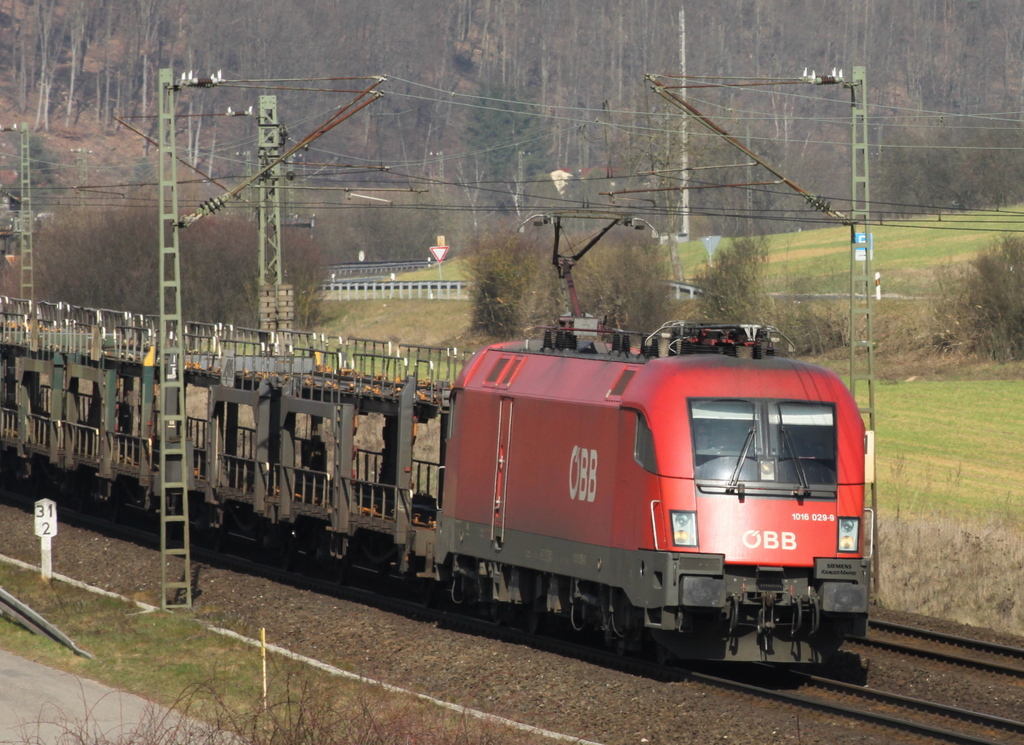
684,529
849,535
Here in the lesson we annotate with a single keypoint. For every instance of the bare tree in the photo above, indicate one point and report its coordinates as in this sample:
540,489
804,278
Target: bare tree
49,37
78,15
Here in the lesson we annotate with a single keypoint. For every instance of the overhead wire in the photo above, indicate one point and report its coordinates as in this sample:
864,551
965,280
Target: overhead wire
576,119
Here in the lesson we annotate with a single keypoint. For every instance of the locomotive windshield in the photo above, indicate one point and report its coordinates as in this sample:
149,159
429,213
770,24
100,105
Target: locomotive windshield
760,446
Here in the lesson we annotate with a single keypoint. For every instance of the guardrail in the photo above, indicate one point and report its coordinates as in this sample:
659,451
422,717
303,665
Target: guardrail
377,268
434,289
684,289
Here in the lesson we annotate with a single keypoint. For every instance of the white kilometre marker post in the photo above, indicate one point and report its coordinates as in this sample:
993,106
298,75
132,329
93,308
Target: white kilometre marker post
46,529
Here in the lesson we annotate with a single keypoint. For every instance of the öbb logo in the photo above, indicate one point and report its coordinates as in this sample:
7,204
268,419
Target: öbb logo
583,474
769,539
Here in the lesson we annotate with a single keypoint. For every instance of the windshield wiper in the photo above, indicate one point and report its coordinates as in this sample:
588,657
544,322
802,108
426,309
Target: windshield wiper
787,442
734,480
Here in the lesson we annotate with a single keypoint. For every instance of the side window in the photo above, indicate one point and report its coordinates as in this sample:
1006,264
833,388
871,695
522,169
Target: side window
643,446
451,417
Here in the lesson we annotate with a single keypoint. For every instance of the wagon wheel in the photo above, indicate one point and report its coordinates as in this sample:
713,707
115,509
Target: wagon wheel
663,655
343,569
219,536
289,554
535,620
426,589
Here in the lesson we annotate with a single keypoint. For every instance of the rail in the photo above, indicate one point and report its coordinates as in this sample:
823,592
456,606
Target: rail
367,465
425,477
433,363
380,503
685,290
197,431
38,430
22,614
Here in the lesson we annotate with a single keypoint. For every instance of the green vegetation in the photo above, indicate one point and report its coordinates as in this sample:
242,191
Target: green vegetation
906,253
176,662
983,302
437,322
952,568
952,448
734,285
503,272
616,284
156,655
500,116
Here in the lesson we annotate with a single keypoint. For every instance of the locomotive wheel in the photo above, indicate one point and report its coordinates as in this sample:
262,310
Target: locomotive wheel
506,614
496,613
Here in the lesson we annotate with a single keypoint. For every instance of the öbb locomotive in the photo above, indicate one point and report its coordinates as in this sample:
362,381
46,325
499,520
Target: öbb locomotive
694,490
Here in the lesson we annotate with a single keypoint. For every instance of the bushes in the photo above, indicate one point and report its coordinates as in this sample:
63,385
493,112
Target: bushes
734,286
625,283
981,304
503,271
515,286
813,326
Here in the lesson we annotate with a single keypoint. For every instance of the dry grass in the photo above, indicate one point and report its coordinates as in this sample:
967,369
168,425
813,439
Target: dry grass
434,323
301,712
947,568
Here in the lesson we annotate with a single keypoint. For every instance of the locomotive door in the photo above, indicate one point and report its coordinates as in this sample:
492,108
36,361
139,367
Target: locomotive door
501,467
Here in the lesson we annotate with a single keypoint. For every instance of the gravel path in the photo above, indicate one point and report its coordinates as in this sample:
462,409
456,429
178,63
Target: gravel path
542,689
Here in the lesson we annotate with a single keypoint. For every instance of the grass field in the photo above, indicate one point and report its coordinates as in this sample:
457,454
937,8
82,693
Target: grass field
436,322
905,252
952,448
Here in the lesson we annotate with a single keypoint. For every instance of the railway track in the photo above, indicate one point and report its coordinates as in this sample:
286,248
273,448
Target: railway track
946,723
902,716
945,648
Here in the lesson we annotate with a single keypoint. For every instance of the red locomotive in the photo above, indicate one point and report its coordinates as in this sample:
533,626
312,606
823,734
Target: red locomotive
693,488
712,500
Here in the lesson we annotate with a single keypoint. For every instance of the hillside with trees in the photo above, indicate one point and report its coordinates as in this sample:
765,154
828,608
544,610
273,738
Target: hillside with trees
486,101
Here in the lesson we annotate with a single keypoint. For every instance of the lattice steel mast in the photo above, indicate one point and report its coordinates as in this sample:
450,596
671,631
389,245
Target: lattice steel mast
25,220
276,309
862,343
174,526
